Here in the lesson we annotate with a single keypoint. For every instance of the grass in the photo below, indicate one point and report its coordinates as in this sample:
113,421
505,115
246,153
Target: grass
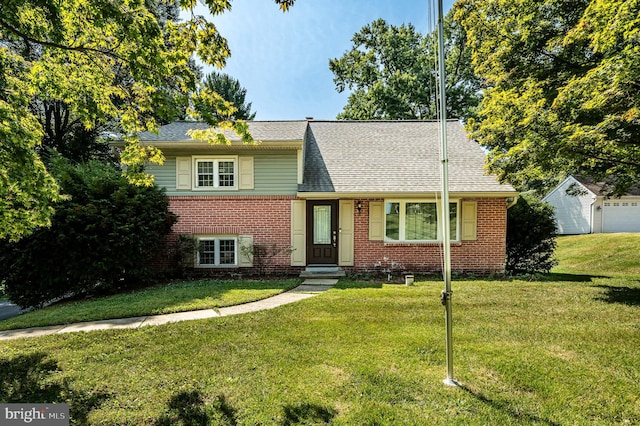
614,255
175,297
546,353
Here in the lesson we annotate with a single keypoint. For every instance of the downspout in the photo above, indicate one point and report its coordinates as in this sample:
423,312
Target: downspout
512,202
592,212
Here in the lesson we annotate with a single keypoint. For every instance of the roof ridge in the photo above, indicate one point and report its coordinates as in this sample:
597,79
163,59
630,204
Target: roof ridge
449,120
248,121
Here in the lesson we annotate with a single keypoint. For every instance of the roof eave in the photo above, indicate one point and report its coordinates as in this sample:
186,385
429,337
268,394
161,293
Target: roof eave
427,194
196,144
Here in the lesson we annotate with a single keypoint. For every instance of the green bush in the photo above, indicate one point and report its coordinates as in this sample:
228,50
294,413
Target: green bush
182,263
531,237
103,237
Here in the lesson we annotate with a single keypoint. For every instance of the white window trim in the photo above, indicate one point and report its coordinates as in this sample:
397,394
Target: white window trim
217,239
216,159
401,230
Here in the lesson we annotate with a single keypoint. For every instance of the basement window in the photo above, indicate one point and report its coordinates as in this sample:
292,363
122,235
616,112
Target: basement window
217,252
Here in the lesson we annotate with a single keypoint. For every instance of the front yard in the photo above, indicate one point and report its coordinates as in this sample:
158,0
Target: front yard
563,351
165,299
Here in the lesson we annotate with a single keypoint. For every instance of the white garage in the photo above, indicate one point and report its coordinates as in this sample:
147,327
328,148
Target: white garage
581,208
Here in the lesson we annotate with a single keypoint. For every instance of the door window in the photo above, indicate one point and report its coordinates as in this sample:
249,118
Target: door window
321,224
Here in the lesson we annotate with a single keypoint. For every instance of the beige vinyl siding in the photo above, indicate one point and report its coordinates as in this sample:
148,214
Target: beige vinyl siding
274,173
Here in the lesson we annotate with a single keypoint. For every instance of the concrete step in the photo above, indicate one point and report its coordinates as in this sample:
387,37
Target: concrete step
315,285
322,271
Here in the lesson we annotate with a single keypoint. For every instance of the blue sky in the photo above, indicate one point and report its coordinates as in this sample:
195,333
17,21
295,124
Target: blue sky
282,59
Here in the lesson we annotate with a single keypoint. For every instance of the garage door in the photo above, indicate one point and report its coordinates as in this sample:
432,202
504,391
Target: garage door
621,216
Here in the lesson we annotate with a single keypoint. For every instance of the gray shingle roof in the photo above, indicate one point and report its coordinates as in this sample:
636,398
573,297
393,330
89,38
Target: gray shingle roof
392,156
600,188
260,130
368,156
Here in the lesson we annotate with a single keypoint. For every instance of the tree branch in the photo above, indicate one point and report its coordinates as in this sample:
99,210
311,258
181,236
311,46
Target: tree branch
607,160
82,49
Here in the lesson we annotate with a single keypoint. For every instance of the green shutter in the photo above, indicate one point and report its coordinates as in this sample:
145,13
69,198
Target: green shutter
469,220
298,233
376,221
345,239
183,172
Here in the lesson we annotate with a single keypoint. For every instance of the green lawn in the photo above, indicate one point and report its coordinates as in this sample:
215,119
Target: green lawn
613,255
175,297
552,352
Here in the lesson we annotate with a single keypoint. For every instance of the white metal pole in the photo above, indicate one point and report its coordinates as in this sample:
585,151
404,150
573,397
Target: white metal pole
446,236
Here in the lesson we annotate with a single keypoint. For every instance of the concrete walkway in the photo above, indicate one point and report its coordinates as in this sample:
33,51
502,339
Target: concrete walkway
309,288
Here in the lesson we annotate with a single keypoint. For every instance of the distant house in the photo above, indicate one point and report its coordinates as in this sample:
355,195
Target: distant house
582,208
356,195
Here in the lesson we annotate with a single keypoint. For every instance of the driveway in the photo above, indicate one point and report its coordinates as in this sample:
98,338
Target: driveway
8,310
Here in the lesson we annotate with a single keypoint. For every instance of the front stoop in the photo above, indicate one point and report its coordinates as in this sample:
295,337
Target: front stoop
322,271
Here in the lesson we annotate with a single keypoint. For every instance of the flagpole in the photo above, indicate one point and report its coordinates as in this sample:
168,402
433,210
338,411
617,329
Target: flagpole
446,226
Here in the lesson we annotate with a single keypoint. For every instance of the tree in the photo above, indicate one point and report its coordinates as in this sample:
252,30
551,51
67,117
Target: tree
27,190
64,131
103,237
285,4
81,47
231,90
531,236
561,89
391,73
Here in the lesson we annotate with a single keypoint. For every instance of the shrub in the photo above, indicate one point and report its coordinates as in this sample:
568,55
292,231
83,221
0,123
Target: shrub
531,237
182,262
262,255
103,237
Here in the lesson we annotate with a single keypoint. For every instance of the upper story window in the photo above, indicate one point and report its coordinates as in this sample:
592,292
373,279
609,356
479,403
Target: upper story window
414,221
216,173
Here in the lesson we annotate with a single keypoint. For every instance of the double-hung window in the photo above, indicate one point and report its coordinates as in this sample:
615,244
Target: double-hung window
217,251
216,173
414,221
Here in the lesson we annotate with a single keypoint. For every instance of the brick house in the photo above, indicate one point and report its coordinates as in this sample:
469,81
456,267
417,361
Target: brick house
358,195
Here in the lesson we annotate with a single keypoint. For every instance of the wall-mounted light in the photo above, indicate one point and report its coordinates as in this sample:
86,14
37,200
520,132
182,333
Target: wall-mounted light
359,206
598,207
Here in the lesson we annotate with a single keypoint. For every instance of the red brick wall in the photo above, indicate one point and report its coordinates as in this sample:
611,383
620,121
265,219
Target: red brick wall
268,218
485,255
